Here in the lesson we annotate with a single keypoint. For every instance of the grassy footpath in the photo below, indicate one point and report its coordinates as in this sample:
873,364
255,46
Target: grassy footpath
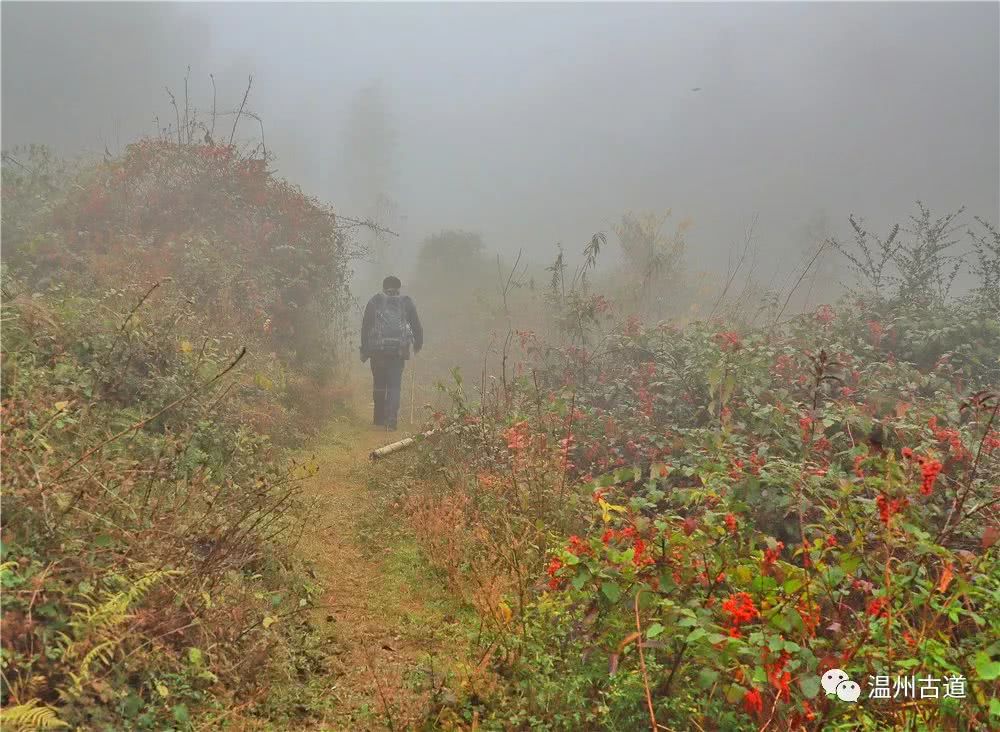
391,632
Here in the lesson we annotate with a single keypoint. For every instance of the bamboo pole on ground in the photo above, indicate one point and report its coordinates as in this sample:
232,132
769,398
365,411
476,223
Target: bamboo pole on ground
386,450
381,452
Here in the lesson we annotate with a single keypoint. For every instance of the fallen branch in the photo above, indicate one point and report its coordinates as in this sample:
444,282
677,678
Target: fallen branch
385,451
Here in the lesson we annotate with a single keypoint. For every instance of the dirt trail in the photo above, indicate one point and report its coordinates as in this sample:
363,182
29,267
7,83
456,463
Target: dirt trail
392,628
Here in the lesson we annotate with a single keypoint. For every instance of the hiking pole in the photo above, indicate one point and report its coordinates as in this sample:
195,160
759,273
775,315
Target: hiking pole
413,372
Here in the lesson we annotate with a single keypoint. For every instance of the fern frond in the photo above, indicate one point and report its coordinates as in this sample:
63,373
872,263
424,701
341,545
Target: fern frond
102,652
90,623
114,610
30,716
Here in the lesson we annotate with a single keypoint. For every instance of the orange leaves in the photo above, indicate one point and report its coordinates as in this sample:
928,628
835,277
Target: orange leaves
517,436
947,574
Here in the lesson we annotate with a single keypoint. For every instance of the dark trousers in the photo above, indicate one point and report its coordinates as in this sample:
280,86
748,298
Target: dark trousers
387,383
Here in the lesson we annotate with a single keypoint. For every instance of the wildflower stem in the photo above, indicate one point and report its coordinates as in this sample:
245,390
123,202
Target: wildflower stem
642,664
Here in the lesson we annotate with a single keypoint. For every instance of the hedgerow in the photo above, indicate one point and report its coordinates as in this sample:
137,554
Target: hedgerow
686,526
169,330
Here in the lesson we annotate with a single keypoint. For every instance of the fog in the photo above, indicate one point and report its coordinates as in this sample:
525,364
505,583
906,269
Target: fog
537,124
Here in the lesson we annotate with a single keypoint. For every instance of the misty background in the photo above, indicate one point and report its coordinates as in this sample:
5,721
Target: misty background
541,123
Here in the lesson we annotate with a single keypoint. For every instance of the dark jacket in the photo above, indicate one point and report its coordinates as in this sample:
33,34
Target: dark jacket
411,316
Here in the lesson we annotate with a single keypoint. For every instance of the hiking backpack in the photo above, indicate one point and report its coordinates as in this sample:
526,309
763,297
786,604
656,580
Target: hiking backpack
391,330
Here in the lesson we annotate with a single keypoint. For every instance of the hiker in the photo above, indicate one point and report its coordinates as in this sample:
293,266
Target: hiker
389,327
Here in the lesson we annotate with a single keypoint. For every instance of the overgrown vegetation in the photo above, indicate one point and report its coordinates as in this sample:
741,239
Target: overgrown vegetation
685,526
170,329
674,524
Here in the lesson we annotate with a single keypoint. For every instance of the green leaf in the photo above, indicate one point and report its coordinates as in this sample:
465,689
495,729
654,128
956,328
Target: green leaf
103,541
181,713
654,630
696,634
132,705
728,387
986,669
834,576
623,475
194,656
611,590
849,563
809,685
707,677
781,622
763,584
792,585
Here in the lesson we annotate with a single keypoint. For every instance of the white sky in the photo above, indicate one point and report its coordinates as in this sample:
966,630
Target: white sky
534,124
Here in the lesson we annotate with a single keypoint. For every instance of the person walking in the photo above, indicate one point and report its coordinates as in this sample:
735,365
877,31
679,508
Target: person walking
389,327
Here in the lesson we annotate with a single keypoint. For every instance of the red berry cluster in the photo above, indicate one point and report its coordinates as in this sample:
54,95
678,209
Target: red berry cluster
554,566
729,341
771,555
753,703
740,609
888,507
929,469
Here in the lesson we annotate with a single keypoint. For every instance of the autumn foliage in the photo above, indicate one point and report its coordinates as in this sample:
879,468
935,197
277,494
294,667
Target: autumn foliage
693,523
170,328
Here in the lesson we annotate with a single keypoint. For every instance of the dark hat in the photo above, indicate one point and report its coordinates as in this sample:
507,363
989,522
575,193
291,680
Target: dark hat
391,283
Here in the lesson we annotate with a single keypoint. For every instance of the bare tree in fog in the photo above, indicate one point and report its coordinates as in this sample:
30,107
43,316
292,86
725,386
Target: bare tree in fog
368,167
